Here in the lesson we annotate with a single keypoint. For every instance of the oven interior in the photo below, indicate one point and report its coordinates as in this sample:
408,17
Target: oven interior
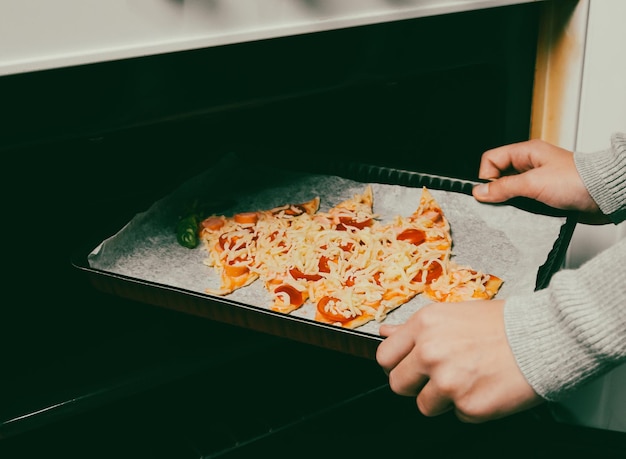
85,148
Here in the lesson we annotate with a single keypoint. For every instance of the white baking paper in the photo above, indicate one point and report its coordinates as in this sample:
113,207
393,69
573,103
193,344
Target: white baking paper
498,239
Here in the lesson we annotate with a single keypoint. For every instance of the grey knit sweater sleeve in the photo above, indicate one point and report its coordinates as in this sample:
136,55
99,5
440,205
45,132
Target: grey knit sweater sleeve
604,175
575,329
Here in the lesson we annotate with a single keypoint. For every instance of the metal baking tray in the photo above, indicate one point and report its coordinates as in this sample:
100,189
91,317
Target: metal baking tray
159,290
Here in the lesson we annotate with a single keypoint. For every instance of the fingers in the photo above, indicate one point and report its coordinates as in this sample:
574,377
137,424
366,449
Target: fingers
515,157
501,161
505,188
394,348
456,357
387,330
526,169
432,402
397,356
403,362
504,167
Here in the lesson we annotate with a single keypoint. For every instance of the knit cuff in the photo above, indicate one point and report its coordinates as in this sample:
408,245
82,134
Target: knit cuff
539,351
603,174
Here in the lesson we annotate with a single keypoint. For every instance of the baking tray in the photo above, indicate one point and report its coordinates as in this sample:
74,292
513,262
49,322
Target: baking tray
228,309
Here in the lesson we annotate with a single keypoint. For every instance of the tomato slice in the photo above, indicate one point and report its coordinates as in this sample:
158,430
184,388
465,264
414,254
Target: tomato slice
212,223
347,247
295,210
227,241
349,221
223,239
333,317
433,215
292,210
246,217
412,235
236,270
322,265
435,270
297,274
295,296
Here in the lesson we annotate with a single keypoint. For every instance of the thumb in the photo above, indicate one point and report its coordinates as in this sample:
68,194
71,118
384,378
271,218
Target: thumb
501,189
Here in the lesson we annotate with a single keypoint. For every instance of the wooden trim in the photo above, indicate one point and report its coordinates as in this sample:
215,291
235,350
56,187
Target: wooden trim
558,71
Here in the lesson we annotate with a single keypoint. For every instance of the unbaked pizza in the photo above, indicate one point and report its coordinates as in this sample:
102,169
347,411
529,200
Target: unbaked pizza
350,265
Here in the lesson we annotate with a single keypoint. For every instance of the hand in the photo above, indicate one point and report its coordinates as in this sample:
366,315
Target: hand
456,356
540,171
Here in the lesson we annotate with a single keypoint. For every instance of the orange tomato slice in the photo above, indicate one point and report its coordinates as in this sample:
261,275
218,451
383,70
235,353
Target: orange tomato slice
434,272
329,315
295,296
246,217
236,270
412,235
297,274
349,221
212,223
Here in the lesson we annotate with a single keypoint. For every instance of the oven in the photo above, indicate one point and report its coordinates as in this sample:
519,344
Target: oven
106,108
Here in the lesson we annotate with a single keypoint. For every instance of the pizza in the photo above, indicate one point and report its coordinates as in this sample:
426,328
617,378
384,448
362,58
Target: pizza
377,268
232,241
304,253
353,267
460,283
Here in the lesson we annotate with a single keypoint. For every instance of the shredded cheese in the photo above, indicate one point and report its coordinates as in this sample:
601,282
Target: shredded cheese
346,261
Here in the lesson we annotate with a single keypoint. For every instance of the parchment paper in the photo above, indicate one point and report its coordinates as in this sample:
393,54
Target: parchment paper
497,239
